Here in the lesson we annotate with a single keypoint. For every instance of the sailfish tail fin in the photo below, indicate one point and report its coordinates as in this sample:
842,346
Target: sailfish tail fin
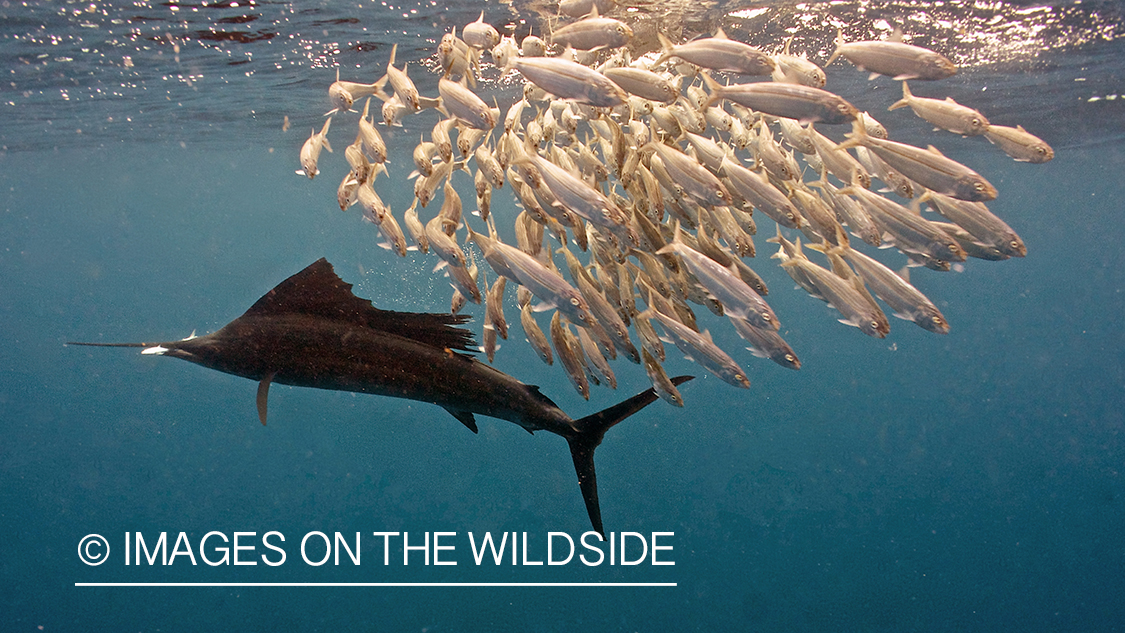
591,430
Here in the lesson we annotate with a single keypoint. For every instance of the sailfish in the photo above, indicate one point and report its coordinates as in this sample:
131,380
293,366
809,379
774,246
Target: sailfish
312,331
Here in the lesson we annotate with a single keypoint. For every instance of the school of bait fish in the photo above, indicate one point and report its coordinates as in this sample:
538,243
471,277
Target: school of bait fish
651,170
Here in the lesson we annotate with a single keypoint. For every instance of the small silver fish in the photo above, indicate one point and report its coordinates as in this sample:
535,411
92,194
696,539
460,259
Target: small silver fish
348,191
894,59
543,282
795,136
699,347
910,232
443,245
593,33
693,178
907,301
845,297
981,223
310,151
343,94
373,142
766,343
424,153
480,34
792,101
718,53
570,80
838,161
761,193
724,284
531,46
390,229
1019,144
535,335
797,70
465,105
464,280
927,167
643,83
594,354
416,229
947,115
569,357
660,381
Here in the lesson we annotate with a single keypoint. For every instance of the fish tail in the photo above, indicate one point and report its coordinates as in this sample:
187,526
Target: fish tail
857,137
591,431
666,46
715,89
905,100
839,43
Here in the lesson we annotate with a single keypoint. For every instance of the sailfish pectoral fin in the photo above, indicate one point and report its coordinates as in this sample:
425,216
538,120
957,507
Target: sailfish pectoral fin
464,417
264,396
591,429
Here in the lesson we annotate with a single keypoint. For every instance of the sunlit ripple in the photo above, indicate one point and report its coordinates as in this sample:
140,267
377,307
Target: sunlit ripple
204,65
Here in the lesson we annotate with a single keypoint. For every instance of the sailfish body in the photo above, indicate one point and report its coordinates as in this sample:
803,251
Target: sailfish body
311,331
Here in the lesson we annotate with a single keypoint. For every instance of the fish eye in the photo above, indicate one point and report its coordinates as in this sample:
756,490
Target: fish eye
1014,244
719,194
766,318
936,319
874,325
790,358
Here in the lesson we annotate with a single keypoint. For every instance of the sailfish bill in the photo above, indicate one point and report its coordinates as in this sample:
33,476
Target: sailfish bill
311,331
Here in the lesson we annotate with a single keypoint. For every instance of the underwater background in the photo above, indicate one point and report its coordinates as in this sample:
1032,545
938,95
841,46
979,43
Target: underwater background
970,481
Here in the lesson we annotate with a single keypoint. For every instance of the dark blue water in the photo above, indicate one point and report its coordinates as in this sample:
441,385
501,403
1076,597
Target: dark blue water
921,482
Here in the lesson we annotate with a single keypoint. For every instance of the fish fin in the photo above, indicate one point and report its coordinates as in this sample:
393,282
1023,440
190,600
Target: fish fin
318,291
839,42
905,100
591,430
872,77
464,417
264,396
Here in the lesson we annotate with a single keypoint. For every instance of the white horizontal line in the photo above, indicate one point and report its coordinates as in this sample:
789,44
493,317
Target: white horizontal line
375,584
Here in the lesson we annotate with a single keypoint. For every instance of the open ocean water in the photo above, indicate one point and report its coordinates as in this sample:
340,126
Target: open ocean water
966,482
